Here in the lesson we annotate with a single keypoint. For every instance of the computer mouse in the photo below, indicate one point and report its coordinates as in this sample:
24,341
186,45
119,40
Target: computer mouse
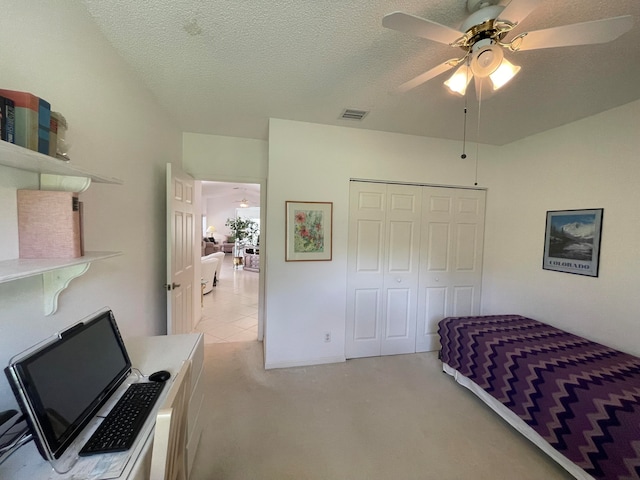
160,376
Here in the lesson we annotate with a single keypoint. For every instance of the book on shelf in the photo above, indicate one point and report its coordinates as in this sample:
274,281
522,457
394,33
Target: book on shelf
8,125
26,108
44,121
53,134
49,224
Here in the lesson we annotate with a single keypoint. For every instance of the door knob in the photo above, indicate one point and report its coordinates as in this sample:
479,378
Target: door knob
173,286
399,280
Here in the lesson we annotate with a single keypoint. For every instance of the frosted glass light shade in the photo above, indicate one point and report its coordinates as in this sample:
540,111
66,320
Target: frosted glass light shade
459,80
503,74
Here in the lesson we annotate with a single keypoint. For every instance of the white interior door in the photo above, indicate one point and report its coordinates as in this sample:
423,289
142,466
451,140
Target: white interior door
401,272
180,252
383,269
365,266
451,270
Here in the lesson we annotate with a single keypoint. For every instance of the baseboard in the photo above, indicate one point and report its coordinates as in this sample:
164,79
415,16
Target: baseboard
305,363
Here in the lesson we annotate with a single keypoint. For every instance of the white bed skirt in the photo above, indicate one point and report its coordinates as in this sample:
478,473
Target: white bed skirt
517,423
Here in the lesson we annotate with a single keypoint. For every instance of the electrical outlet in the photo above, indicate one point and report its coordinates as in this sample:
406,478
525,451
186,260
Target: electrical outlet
327,337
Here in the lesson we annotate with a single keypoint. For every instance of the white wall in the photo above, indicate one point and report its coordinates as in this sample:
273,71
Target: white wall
592,163
589,164
309,162
231,159
53,50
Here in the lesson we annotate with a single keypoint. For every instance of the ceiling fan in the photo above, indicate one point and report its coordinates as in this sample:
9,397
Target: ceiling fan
244,203
481,38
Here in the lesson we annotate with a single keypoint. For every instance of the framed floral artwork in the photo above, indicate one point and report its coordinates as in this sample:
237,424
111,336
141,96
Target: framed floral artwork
309,229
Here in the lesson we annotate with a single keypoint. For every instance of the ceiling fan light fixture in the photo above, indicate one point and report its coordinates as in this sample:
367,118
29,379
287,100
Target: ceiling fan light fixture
503,74
459,81
486,57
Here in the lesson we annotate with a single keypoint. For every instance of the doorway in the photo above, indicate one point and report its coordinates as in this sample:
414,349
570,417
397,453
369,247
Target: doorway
232,309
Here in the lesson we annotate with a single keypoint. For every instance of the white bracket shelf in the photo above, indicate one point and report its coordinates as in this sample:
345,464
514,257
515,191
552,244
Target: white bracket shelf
56,273
56,175
55,281
24,159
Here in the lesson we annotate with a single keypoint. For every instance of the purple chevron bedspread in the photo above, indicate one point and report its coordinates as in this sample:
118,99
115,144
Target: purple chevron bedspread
583,398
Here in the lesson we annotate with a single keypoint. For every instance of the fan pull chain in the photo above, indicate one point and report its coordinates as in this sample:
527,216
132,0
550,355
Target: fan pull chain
478,132
464,123
464,130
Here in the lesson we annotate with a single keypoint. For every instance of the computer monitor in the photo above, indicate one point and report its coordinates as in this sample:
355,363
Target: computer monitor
61,383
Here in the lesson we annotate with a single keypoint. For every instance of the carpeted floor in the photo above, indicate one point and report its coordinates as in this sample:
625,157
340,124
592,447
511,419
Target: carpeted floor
386,418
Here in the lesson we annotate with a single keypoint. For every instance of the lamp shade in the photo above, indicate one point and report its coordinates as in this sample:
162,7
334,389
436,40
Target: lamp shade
459,80
211,230
503,74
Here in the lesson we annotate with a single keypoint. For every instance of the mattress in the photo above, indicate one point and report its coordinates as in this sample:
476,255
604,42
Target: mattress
580,400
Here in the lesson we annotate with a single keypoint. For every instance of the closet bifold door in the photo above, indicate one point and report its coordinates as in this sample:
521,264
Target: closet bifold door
401,269
383,269
365,269
451,267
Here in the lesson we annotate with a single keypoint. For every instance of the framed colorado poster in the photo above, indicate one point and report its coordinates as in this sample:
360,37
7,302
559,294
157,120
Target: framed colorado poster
572,241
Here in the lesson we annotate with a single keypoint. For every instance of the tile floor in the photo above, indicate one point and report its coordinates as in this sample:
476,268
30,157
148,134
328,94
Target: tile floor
230,310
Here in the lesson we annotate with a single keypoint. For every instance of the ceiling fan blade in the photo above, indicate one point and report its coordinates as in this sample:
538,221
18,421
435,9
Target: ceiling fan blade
420,27
596,31
518,10
428,75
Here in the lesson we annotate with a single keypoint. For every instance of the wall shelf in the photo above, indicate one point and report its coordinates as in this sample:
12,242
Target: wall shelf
54,175
18,268
56,273
22,158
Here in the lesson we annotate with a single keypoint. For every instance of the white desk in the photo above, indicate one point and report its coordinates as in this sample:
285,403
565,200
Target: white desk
148,354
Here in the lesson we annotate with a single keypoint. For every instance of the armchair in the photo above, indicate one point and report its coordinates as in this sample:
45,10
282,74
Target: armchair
210,270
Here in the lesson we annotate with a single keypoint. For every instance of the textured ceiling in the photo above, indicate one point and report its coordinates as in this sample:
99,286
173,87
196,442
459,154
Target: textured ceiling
226,66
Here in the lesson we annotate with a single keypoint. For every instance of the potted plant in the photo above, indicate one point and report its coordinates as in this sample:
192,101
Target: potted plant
242,228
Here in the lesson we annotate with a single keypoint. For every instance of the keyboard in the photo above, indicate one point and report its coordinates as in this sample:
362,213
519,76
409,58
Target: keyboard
119,429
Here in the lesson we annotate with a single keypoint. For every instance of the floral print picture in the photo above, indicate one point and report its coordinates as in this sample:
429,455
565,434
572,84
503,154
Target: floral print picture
308,235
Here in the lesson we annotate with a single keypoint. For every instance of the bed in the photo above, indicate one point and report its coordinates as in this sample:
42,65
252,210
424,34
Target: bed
579,401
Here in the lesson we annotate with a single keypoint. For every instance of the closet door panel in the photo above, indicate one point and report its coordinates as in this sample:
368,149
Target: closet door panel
434,310
398,308
437,248
365,270
401,247
463,301
369,241
366,312
402,268
466,251
453,229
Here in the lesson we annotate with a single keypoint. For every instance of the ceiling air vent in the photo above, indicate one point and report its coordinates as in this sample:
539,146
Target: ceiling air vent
351,114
